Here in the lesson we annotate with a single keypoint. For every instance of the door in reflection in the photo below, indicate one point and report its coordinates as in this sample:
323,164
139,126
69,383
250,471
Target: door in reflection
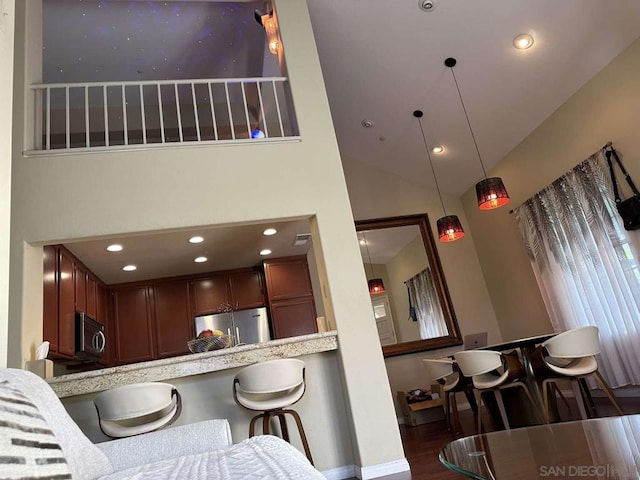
384,319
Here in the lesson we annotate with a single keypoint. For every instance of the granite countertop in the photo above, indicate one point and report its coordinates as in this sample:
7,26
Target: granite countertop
192,364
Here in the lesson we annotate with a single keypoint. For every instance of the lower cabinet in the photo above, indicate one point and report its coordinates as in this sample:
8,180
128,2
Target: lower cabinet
133,324
291,318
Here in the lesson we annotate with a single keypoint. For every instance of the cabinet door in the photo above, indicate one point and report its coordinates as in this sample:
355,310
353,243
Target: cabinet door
173,322
209,294
50,297
91,296
80,283
291,318
66,304
287,278
133,327
246,289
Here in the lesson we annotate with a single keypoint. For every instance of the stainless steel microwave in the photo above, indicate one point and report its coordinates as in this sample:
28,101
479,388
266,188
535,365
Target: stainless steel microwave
90,338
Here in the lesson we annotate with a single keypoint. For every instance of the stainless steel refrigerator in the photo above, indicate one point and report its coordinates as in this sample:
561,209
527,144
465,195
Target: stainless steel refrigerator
245,326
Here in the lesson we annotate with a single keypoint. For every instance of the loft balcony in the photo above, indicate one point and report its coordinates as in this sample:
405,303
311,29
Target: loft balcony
129,75
150,114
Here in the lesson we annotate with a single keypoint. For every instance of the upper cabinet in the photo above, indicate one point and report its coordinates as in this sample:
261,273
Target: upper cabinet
173,323
290,295
235,289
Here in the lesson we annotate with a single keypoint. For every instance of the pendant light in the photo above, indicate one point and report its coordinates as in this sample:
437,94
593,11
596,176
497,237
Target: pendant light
376,285
449,226
491,192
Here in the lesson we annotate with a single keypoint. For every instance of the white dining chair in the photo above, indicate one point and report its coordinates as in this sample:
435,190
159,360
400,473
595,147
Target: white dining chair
571,355
493,371
270,387
137,408
445,372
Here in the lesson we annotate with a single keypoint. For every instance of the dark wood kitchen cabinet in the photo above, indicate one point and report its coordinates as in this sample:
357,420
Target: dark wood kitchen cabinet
50,297
173,323
132,309
103,315
238,289
80,287
209,294
291,303
66,304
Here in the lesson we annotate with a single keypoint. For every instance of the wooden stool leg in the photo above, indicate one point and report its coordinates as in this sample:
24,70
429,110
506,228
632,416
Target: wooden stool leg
447,405
479,402
283,426
545,396
303,436
266,420
578,394
607,390
586,393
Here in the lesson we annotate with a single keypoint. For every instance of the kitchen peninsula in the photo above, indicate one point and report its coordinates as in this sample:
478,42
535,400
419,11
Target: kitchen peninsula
193,364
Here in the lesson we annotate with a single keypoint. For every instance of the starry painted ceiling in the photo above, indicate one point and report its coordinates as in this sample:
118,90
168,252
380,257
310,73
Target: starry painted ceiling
111,40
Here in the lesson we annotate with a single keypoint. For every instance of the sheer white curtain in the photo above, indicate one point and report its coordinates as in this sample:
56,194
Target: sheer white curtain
586,264
424,298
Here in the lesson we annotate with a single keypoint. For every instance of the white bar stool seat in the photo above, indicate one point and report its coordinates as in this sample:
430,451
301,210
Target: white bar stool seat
137,408
270,387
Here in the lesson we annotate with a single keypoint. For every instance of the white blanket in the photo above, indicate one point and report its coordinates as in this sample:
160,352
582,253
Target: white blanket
263,457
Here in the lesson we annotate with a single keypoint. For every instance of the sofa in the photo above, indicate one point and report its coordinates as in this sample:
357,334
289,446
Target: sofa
38,439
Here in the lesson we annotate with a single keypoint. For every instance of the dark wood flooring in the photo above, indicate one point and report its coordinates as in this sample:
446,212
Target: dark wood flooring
423,443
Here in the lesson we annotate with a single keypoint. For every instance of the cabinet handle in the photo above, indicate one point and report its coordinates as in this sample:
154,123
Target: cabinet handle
99,342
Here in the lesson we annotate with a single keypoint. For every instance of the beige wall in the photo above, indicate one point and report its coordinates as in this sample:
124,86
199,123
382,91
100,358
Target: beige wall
606,108
66,197
376,194
6,87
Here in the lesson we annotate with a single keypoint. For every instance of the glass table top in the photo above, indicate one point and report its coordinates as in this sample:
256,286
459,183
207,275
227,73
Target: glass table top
602,448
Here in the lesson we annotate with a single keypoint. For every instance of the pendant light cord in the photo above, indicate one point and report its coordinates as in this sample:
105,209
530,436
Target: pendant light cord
464,109
366,245
426,146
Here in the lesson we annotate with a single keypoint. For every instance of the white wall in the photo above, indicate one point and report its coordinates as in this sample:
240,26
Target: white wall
605,108
7,19
67,197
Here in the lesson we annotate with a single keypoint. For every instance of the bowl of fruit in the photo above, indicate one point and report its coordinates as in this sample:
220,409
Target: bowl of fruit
208,340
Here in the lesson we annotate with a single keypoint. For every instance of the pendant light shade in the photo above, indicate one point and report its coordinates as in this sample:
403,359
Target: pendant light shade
449,228
376,286
491,192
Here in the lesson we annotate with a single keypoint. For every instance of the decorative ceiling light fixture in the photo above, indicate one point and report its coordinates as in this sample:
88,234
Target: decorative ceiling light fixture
376,285
523,41
268,21
491,192
449,226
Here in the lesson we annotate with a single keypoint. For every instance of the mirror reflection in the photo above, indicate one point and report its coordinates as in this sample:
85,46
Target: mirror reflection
408,291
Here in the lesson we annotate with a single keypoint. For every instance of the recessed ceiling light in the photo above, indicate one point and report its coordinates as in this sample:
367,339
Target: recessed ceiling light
437,149
196,239
362,242
264,252
114,248
200,259
270,231
129,268
523,41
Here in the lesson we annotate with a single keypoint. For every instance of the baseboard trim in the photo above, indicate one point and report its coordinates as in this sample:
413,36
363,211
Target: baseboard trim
340,473
382,469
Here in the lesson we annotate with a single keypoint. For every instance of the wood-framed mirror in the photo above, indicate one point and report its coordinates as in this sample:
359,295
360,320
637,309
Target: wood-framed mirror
415,312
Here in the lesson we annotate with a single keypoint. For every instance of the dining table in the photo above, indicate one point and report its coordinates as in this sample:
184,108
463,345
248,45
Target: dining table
602,448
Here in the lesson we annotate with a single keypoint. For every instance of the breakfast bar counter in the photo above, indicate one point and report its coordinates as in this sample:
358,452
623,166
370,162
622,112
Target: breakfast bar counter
192,364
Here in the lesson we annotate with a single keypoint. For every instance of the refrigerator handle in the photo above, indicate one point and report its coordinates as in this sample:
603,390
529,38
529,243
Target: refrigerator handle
237,336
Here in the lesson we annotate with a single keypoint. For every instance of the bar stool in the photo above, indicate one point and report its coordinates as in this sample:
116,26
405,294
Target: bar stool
571,355
494,371
137,408
270,387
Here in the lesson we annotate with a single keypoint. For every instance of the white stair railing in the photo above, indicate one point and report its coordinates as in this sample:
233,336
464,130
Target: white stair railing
116,115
